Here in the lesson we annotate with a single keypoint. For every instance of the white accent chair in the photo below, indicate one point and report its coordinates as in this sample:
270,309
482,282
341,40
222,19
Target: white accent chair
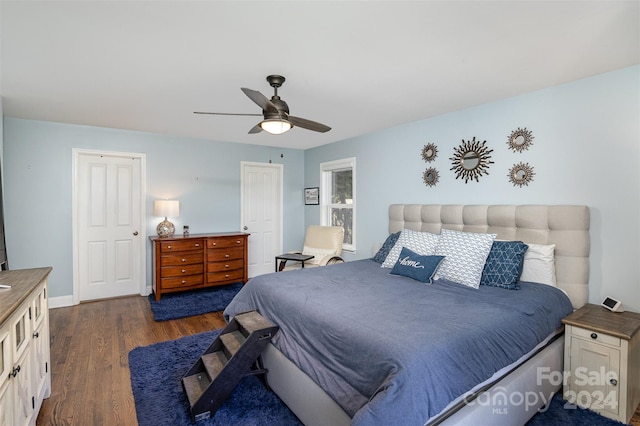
324,243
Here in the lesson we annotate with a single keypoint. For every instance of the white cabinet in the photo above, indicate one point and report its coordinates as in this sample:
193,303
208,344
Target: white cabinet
24,346
6,393
40,347
602,361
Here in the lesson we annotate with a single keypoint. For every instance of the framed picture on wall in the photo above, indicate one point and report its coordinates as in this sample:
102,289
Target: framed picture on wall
311,196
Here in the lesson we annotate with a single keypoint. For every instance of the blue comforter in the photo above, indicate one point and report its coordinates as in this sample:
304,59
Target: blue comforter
391,350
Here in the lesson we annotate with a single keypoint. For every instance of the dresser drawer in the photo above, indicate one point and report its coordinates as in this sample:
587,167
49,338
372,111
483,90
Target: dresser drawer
225,266
187,281
187,258
176,271
225,254
599,337
186,245
213,243
225,276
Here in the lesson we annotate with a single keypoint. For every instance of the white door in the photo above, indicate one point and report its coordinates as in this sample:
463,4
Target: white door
261,198
109,251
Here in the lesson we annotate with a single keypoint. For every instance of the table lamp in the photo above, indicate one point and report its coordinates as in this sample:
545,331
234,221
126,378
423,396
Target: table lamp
166,208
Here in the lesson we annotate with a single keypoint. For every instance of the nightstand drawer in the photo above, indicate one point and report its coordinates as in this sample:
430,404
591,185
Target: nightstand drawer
595,336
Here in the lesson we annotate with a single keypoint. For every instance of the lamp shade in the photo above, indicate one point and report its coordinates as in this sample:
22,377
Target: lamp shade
275,126
166,208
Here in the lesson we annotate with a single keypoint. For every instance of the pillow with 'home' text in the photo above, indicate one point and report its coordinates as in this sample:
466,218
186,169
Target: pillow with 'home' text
419,267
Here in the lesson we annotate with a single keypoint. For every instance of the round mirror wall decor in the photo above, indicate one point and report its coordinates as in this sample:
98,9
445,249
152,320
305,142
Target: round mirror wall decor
520,140
471,160
521,174
430,177
429,152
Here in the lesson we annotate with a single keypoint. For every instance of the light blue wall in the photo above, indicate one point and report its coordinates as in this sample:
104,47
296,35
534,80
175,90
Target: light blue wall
203,175
586,151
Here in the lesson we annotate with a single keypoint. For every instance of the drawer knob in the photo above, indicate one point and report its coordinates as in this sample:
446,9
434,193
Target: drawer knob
215,244
226,266
169,247
183,271
226,256
184,282
184,260
197,245
36,334
238,242
594,336
226,276
613,382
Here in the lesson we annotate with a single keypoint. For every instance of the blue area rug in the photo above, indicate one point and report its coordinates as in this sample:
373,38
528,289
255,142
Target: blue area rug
561,413
190,303
156,380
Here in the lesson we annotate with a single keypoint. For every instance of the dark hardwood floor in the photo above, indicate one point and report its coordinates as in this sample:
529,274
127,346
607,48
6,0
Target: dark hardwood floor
90,343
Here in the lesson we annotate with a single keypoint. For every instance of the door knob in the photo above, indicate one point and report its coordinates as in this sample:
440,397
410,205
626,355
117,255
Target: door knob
135,232
245,227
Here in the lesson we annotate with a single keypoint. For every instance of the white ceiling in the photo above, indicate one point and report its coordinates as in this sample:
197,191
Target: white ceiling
357,66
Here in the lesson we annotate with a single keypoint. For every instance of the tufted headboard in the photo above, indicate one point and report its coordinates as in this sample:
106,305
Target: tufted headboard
565,226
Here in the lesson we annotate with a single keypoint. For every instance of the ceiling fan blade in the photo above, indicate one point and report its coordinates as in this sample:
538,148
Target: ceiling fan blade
308,124
255,129
261,100
227,113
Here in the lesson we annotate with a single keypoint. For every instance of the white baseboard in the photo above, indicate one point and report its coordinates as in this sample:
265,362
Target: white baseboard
60,302
65,301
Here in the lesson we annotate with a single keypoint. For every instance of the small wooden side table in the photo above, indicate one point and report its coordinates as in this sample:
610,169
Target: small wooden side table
602,361
292,256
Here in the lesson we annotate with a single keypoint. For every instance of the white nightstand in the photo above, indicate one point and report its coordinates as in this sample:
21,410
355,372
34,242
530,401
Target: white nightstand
602,361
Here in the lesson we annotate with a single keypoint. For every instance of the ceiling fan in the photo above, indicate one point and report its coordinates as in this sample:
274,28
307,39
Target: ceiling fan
275,112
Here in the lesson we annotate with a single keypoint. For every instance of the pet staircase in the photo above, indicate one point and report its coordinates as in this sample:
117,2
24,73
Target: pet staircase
228,359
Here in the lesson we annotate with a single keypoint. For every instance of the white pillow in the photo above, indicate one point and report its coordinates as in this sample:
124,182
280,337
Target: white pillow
317,253
423,243
465,254
539,264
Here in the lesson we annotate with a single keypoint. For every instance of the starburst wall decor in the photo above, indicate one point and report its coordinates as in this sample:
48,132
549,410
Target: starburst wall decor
521,174
471,160
430,177
429,152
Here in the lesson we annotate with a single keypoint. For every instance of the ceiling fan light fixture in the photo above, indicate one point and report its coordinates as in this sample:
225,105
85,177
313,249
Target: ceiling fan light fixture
275,126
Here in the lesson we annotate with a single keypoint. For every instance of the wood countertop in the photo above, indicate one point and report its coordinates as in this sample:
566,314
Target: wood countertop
22,282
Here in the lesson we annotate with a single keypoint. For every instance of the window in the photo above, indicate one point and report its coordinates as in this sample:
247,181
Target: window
338,192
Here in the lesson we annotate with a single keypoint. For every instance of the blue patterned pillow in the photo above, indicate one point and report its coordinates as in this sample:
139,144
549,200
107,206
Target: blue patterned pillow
388,244
413,265
504,264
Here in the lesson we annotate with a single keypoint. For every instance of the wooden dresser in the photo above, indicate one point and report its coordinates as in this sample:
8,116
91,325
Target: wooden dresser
25,367
198,261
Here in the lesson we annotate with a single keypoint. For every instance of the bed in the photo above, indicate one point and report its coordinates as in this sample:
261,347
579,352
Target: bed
361,346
